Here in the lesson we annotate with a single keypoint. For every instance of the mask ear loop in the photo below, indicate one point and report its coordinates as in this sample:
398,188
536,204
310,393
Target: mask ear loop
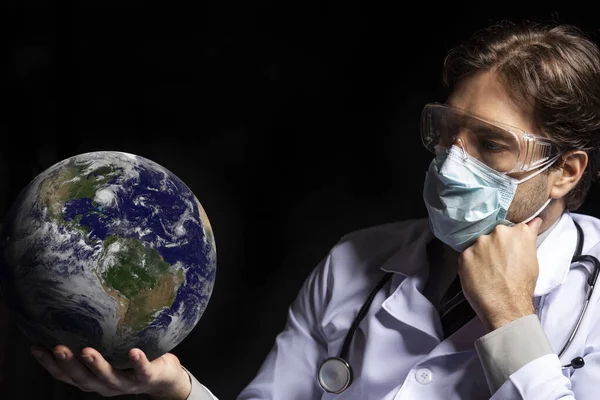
535,214
462,146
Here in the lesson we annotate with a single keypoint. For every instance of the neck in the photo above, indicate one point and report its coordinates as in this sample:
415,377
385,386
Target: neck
551,215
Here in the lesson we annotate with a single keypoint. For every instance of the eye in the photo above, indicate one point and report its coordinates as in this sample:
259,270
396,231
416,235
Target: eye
492,146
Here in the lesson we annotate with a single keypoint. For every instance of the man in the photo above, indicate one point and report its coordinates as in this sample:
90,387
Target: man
478,301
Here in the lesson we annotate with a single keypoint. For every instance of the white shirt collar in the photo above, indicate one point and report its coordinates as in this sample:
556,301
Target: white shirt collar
554,253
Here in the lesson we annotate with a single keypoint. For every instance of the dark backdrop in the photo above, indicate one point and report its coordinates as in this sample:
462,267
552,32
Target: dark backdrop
293,124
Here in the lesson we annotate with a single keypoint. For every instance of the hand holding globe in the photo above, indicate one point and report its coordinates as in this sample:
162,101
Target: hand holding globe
111,255
162,378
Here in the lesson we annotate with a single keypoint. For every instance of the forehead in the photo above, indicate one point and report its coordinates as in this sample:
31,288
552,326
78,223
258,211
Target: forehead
484,95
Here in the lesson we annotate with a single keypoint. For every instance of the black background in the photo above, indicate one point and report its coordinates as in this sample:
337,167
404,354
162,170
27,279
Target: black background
293,123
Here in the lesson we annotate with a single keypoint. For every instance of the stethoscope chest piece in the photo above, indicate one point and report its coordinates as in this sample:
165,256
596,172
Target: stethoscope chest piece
334,375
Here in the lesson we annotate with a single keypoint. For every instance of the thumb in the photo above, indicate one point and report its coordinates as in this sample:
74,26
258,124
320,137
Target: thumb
535,224
142,368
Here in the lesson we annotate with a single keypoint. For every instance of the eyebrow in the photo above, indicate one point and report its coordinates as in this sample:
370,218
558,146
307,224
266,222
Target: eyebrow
490,131
481,126
493,123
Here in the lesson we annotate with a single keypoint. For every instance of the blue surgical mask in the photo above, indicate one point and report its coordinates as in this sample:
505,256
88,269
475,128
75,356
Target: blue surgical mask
466,199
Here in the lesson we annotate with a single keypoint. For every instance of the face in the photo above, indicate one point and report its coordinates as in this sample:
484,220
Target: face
484,95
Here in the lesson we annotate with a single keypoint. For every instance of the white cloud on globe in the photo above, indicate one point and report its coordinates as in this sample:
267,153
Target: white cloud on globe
105,197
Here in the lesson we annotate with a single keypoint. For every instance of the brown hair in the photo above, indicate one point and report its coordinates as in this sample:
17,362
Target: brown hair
555,69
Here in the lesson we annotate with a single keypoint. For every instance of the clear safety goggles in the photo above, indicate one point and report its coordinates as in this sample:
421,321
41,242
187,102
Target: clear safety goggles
501,147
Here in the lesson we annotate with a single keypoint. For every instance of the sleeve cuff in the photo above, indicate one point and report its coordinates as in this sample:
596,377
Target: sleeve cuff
507,349
199,391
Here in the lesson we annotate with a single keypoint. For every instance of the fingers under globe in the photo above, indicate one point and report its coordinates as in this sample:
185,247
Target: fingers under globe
112,378
79,374
46,360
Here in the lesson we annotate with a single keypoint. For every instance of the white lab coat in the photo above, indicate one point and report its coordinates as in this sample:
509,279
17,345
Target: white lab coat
398,351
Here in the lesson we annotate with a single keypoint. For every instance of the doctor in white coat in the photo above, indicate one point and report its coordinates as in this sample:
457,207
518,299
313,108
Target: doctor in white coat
490,297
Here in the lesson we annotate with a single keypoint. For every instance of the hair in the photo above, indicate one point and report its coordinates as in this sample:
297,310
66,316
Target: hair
553,68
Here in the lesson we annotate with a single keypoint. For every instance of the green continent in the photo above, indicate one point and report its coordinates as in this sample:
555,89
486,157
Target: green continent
69,183
87,186
141,276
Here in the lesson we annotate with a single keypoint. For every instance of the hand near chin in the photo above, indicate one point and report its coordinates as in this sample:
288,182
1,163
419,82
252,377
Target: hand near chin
162,378
499,272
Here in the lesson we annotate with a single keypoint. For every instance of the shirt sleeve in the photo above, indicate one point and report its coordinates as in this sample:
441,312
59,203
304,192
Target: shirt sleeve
199,391
289,370
505,350
519,363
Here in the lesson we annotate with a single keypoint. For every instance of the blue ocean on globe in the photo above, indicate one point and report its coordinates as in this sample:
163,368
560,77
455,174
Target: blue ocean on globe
108,250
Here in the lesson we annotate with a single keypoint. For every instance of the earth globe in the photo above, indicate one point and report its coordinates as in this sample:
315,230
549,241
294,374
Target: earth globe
109,250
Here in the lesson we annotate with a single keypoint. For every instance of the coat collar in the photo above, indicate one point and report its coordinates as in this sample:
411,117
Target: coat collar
554,252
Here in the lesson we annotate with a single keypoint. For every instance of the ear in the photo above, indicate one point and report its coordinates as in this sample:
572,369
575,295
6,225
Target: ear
571,168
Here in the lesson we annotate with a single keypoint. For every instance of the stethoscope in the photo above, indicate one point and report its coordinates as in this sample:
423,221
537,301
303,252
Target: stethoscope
335,373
